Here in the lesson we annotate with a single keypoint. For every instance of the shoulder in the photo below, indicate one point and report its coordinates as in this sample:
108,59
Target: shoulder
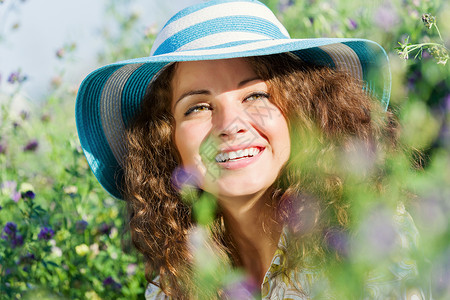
154,292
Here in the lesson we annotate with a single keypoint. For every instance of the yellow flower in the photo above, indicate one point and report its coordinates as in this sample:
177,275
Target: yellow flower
92,295
82,249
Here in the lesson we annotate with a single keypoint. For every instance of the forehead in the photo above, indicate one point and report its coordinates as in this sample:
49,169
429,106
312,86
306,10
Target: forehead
210,71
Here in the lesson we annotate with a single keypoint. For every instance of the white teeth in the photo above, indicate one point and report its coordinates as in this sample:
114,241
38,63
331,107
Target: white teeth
234,155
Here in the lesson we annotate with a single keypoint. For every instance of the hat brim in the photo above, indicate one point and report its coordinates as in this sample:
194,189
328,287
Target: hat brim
110,97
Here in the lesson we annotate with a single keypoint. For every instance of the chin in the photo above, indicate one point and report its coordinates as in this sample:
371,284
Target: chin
238,187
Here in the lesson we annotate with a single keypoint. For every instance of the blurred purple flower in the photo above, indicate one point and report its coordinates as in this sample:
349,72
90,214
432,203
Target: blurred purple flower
104,229
352,24
32,145
80,226
45,117
447,102
15,196
110,282
10,234
426,55
17,241
2,148
337,239
10,186
414,77
243,289
379,234
10,228
131,269
386,17
24,114
431,213
28,195
182,177
16,77
284,4
60,52
299,213
46,233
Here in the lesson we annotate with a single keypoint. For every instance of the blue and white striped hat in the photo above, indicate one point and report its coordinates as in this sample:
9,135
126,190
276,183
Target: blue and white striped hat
110,97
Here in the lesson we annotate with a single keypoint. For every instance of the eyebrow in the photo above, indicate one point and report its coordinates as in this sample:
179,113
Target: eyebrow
192,93
206,92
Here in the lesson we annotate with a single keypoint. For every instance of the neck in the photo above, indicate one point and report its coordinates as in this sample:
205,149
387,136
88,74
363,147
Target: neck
253,229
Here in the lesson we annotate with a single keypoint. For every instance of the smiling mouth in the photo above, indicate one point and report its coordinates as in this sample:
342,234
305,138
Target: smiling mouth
229,156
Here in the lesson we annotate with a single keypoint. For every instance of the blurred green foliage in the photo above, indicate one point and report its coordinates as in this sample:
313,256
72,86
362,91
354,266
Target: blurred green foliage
46,182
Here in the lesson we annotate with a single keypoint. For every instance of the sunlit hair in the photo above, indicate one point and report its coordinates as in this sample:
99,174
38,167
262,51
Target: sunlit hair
326,110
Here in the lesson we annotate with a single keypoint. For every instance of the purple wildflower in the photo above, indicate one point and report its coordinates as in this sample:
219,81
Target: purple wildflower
378,234
15,196
45,117
17,241
2,148
80,226
299,213
10,228
244,289
28,195
131,269
104,229
24,114
426,55
16,77
10,234
447,102
110,282
285,4
182,177
415,76
32,145
46,234
352,24
386,17
337,240
60,53
10,186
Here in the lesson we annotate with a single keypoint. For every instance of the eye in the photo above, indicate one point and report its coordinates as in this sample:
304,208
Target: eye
197,108
257,96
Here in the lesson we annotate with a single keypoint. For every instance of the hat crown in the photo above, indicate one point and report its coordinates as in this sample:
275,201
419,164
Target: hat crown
218,23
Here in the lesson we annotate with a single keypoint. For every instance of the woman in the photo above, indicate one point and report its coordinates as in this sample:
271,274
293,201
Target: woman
228,99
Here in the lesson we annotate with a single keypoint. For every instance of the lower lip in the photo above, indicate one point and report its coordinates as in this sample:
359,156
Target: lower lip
240,163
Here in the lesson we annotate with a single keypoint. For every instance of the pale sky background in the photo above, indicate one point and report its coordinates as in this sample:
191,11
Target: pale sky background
47,25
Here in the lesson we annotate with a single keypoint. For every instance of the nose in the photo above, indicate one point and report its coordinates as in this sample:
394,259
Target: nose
230,121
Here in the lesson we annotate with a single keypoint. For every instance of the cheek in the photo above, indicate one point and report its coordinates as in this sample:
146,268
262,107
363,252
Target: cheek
279,132
188,138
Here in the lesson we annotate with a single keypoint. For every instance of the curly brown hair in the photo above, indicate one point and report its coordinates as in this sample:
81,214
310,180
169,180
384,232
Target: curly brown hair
314,99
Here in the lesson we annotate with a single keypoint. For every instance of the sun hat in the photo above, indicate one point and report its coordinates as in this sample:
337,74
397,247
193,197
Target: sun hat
110,97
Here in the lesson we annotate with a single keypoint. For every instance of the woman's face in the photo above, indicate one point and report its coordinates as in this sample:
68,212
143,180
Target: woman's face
227,130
